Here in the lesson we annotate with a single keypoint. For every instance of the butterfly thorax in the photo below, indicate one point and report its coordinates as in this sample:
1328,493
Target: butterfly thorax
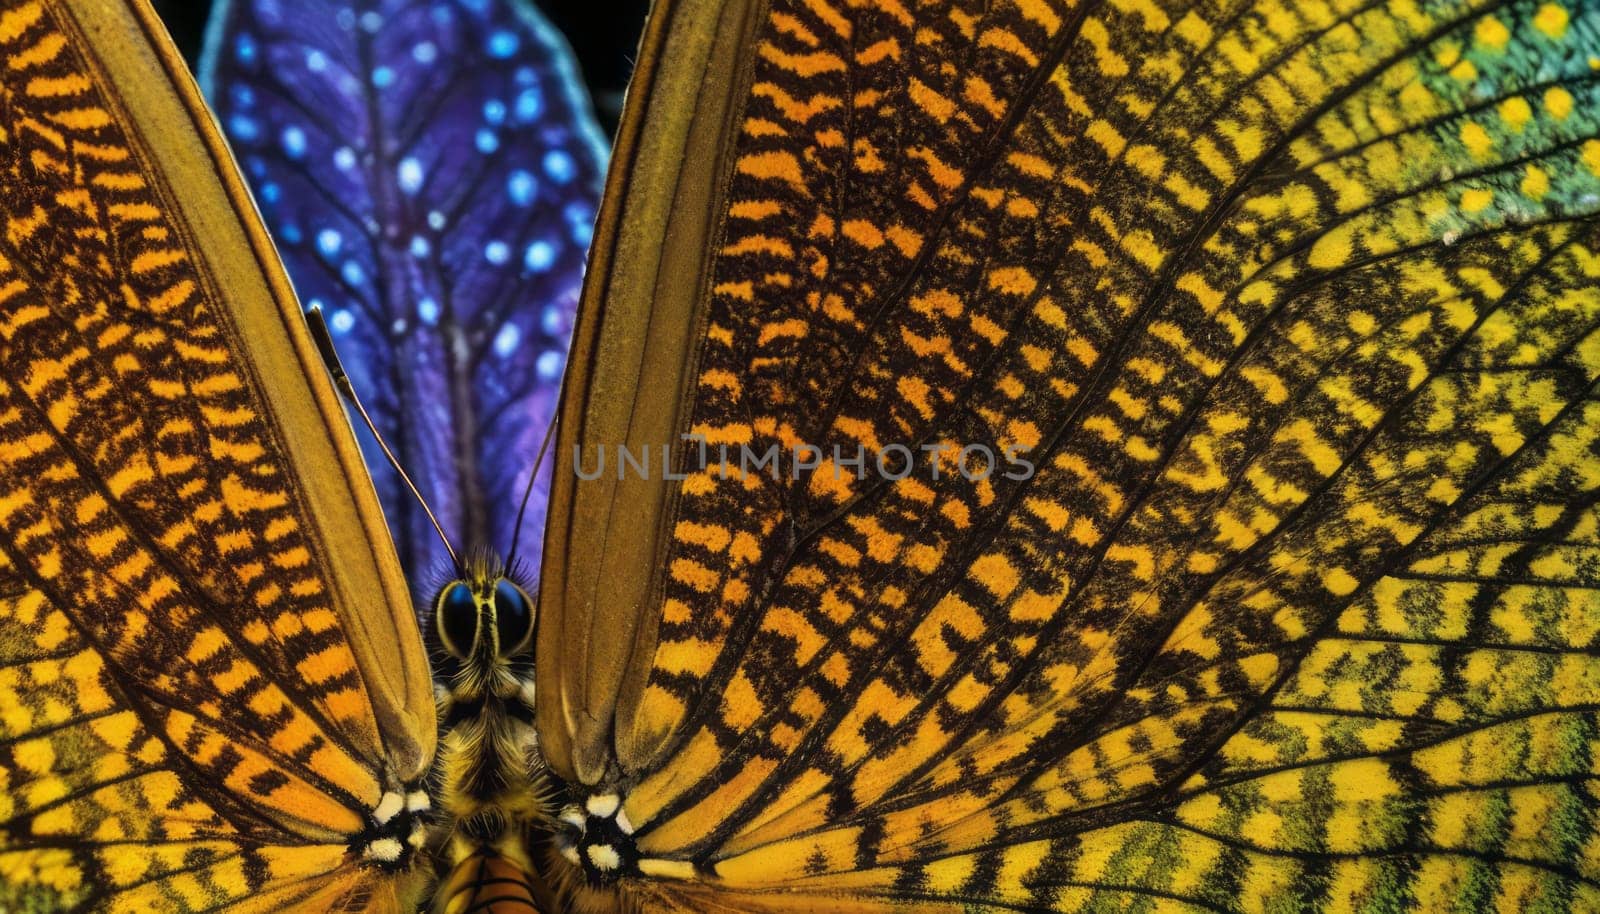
492,785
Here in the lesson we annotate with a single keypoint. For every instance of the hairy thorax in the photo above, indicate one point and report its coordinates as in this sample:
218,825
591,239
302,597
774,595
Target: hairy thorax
492,788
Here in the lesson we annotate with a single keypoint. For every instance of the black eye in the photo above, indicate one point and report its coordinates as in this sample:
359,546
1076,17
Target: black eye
456,619
513,617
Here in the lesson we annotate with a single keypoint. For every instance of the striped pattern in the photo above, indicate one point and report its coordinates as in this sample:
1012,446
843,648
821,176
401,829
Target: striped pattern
486,883
184,724
1292,306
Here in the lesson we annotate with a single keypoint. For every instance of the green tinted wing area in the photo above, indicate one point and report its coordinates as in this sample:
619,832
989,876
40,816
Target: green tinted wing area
1291,308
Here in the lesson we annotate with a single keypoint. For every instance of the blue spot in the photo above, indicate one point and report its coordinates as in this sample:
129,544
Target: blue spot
486,141
552,320
505,342
346,18
244,47
494,111
270,193
409,175
242,95
420,246
345,158
477,6
383,77
371,21
316,61
329,241
580,221
559,166
496,252
352,273
521,187
257,167
290,233
435,220
441,14
425,52
502,44
428,310
539,256
243,128
341,321
294,141
529,104
398,327
549,365
525,76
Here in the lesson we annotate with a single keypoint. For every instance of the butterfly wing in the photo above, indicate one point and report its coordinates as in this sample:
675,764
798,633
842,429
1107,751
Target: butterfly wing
214,690
1289,312
429,172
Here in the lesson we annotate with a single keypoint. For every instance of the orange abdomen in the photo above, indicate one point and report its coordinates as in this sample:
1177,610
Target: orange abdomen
486,883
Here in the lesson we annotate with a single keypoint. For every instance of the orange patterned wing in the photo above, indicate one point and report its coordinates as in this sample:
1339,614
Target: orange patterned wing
214,696
1290,309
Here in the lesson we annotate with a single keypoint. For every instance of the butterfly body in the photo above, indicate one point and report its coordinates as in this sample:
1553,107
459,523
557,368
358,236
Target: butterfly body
491,782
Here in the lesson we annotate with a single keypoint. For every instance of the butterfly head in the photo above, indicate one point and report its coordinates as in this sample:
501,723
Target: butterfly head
483,615
476,620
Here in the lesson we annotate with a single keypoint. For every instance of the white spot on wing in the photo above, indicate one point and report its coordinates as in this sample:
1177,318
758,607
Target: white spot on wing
549,365
603,805
539,256
384,850
409,175
502,44
294,141
604,857
389,806
559,166
506,341
329,241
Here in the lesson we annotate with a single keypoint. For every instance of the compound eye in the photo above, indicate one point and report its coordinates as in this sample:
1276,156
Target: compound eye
513,616
456,619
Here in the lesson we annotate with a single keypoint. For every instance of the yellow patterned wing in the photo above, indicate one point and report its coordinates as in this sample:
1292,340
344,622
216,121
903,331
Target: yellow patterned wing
212,693
1293,310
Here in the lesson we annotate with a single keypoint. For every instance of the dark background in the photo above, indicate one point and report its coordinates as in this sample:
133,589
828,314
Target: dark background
603,33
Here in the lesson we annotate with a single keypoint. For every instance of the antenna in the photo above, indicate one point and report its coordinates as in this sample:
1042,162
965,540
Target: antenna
516,532
341,381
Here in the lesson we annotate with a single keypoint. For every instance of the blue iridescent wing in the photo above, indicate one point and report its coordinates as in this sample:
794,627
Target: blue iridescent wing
430,173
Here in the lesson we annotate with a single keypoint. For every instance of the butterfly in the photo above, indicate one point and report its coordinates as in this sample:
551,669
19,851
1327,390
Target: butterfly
1161,467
